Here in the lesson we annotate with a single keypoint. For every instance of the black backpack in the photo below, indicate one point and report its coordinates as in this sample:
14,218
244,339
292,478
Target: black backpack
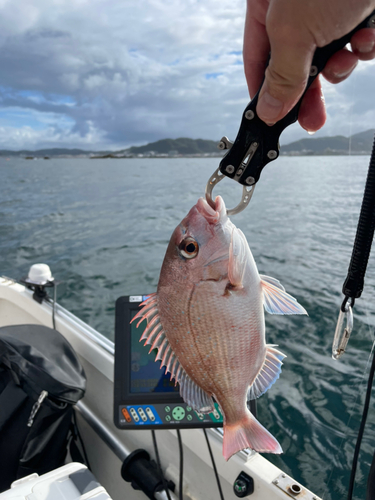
41,379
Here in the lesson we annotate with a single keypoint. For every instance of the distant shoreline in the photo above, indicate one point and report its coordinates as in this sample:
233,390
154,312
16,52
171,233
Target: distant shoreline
358,144
339,153
167,157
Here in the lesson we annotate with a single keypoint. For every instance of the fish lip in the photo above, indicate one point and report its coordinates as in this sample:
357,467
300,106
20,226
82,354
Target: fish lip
212,215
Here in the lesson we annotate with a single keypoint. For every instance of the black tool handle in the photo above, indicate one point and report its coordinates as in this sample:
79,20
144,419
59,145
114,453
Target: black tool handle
254,130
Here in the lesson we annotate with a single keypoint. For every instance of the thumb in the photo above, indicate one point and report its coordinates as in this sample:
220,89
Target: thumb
286,77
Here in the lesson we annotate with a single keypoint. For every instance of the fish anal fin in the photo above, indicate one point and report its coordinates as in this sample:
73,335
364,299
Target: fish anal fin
268,374
276,300
248,433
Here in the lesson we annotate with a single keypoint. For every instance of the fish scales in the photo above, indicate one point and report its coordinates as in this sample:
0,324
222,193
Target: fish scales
210,303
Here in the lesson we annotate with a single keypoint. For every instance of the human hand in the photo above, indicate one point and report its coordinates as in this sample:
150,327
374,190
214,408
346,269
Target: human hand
291,30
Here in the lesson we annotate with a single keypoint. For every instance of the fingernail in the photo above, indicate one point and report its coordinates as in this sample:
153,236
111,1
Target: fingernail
269,108
345,73
366,47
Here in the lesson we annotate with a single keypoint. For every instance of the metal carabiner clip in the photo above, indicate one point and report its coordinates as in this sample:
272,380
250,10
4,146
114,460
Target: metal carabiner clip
342,333
247,193
217,176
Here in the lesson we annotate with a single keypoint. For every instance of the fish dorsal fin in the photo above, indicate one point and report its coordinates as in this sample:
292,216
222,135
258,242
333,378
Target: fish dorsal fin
276,300
193,395
154,335
190,392
268,374
237,257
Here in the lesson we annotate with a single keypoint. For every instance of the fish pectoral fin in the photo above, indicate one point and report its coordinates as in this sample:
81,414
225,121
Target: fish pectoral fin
272,281
276,300
237,257
268,374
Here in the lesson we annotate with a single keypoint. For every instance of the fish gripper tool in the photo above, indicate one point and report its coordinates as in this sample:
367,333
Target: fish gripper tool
257,143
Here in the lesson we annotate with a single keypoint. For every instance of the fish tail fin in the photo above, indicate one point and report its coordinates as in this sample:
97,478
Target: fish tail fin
248,433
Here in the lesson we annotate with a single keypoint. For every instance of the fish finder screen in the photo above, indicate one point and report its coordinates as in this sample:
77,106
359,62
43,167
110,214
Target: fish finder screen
145,374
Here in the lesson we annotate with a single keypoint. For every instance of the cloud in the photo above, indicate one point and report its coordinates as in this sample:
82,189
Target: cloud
98,74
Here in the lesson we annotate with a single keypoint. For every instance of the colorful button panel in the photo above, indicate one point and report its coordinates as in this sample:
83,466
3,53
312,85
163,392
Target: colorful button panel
160,414
140,415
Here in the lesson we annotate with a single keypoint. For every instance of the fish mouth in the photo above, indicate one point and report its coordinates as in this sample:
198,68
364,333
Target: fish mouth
212,215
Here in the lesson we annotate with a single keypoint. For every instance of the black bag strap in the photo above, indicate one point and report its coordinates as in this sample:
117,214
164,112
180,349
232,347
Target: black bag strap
76,447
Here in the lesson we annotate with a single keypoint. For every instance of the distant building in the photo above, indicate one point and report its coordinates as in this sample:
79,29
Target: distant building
173,152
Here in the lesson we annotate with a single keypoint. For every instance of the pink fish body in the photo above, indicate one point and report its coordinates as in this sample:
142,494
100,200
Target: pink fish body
207,322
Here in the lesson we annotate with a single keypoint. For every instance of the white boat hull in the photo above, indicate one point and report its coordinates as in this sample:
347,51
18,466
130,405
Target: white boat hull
96,354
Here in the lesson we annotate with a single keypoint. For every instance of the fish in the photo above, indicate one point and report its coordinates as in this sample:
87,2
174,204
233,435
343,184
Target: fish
206,321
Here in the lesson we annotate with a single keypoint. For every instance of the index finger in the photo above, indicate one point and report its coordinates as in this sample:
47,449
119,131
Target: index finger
363,44
256,47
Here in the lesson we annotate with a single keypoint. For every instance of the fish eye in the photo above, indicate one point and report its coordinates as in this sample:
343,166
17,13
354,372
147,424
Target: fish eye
189,248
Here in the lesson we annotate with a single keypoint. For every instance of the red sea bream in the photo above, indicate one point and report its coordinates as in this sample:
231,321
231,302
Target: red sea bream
207,322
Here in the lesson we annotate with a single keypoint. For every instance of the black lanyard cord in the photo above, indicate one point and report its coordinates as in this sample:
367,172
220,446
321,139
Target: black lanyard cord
361,430
353,285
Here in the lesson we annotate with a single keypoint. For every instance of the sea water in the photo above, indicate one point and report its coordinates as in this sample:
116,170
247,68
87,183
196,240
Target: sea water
103,227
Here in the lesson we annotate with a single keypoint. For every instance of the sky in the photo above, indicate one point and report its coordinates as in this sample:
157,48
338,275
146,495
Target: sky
109,74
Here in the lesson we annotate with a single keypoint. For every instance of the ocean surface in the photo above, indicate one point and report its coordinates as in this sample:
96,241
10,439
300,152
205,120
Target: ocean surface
103,227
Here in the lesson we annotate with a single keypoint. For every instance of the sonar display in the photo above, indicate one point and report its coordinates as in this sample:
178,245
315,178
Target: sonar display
145,374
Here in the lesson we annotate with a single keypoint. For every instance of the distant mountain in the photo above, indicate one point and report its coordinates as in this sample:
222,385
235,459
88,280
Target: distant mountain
338,145
182,146
45,152
170,147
